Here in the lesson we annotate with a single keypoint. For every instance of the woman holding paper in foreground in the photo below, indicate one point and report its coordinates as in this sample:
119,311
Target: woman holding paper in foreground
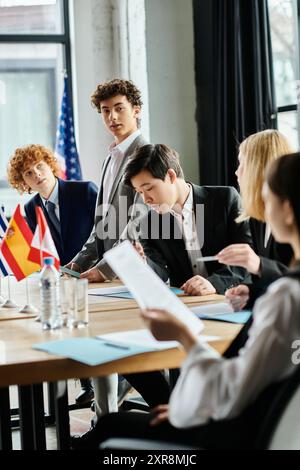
268,259
217,402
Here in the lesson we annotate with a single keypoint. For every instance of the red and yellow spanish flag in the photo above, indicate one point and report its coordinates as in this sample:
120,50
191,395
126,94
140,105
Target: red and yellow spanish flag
15,246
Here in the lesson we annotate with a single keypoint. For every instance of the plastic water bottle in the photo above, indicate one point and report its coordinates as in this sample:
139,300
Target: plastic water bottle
51,316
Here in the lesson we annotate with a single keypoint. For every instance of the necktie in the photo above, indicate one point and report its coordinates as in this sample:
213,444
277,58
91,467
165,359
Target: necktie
50,206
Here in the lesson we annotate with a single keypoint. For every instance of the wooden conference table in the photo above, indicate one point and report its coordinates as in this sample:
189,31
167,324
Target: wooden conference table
28,368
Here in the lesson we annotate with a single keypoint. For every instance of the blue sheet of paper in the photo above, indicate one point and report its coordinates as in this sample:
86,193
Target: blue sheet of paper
235,317
176,291
128,295
91,351
120,295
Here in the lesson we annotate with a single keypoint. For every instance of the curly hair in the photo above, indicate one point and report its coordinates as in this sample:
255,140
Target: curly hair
116,87
25,157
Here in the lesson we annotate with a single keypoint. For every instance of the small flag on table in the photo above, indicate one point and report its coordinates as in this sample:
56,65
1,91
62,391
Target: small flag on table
15,246
4,268
65,146
42,245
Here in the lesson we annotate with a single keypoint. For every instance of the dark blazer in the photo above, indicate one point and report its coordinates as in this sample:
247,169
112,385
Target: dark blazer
169,258
77,201
275,257
274,260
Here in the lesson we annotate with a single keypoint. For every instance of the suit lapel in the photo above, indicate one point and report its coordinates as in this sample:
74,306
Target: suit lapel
136,143
103,172
64,204
176,243
203,209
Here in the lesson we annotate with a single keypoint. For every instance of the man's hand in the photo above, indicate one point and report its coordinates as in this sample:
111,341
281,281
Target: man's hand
238,296
161,414
240,254
198,285
139,249
92,275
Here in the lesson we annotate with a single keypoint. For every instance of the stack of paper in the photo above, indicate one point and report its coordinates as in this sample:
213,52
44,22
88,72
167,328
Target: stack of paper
109,347
221,311
122,292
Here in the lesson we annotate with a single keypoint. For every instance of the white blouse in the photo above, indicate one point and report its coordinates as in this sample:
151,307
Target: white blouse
211,386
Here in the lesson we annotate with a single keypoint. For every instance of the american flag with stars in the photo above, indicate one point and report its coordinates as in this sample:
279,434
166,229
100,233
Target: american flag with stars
65,146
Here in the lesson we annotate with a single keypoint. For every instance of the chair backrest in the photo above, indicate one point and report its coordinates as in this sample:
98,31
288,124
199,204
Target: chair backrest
280,429
287,433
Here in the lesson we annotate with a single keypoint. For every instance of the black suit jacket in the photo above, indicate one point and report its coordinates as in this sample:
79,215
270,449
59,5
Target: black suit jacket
77,201
274,260
275,257
216,209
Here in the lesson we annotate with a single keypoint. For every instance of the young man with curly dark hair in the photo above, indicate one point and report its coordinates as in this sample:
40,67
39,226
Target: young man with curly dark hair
119,103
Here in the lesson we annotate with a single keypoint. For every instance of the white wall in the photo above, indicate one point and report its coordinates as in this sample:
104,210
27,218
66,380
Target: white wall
92,47
109,40
172,94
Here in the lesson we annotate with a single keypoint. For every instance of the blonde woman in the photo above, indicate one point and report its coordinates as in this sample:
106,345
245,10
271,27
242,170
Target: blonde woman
268,259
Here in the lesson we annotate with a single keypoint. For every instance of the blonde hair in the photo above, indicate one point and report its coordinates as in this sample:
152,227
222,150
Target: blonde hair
258,151
25,157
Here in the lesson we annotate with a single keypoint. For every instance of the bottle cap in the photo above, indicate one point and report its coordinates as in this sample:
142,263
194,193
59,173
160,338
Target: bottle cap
48,261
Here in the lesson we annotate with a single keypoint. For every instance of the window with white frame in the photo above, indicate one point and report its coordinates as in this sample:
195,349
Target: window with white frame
34,52
284,19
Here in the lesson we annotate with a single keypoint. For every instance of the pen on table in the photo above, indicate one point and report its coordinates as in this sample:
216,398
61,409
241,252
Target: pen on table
114,345
207,258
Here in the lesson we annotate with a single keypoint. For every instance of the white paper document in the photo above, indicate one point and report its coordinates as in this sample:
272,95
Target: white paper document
145,338
213,309
140,337
147,288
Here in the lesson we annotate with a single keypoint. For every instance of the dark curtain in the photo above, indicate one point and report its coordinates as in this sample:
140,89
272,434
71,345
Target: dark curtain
234,81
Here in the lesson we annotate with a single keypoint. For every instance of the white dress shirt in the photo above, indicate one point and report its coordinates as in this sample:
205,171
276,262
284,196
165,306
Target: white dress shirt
53,198
211,386
190,237
116,155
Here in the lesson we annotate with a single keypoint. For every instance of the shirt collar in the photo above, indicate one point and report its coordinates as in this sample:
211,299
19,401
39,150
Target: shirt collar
187,208
188,205
53,196
122,148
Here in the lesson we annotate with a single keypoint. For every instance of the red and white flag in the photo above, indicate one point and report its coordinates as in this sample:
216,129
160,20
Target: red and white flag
42,245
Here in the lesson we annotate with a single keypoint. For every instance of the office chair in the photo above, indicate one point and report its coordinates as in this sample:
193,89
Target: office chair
281,427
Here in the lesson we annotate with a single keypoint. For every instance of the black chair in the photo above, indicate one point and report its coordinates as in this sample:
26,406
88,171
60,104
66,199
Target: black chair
142,444
276,426
281,428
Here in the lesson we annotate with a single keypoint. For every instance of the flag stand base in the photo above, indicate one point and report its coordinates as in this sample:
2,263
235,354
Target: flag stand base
9,304
28,309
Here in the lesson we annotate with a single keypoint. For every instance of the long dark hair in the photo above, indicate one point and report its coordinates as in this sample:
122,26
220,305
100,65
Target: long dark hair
283,178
